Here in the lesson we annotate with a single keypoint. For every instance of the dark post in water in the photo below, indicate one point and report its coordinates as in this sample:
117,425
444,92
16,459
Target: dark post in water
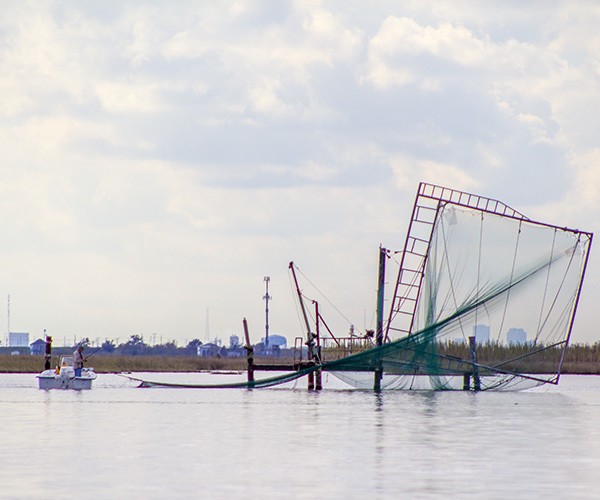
318,377
379,334
473,352
249,354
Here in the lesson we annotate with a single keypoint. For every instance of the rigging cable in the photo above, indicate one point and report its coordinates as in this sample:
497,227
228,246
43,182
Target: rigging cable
572,251
478,270
326,298
452,289
512,273
539,326
296,304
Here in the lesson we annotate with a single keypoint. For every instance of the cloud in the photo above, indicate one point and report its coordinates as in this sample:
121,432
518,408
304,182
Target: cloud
409,172
403,39
158,159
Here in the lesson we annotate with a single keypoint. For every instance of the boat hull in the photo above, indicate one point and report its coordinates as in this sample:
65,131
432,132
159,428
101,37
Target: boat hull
49,379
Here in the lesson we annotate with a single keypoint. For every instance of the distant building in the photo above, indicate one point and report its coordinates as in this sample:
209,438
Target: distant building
481,333
38,347
516,336
208,350
234,342
276,340
18,339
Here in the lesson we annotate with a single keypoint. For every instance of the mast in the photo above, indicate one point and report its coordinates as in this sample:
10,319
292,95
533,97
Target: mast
380,302
380,295
310,336
318,379
304,315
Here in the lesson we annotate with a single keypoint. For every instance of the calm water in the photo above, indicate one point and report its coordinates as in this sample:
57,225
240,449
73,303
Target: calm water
118,441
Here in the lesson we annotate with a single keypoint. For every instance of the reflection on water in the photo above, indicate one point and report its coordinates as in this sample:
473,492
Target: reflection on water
165,443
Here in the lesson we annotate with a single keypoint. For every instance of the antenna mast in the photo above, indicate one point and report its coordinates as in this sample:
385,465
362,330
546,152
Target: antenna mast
266,299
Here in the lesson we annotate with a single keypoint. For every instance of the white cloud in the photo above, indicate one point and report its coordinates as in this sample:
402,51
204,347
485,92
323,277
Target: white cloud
395,48
136,97
410,171
161,160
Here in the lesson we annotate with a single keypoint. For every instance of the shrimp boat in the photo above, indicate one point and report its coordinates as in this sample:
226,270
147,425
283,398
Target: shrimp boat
63,376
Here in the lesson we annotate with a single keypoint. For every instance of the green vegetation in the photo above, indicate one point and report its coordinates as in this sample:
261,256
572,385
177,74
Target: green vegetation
579,359
139,363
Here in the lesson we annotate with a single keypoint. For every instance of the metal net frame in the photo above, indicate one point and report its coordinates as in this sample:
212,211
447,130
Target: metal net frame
485,299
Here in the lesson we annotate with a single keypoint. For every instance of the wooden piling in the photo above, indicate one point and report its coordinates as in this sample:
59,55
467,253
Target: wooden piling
475,373
249,354
467,381
319,376
378,375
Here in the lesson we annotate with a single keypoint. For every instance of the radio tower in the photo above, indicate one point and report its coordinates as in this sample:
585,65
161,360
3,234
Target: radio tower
267,297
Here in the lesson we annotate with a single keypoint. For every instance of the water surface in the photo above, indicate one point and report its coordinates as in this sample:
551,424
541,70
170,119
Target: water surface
119,441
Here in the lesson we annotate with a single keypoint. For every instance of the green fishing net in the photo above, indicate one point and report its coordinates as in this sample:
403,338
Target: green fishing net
485,299
488,273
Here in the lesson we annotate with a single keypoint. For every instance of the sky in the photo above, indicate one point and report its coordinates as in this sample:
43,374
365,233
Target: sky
159,159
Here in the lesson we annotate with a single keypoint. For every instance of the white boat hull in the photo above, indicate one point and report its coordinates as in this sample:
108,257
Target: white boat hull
49,379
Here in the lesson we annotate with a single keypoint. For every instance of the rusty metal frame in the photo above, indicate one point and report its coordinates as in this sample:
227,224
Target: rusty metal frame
429,200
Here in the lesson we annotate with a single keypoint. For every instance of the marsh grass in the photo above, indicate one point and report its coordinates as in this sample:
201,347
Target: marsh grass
118,364
580,359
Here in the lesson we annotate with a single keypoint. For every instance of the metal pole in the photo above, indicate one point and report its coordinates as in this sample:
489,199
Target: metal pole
576,303
310,337
380,295
318,381
380,302
473,352
304,315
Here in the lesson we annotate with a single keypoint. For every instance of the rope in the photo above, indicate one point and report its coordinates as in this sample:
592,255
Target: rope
539,326
326,298
512,272
452,289
296,304
479,264
573,250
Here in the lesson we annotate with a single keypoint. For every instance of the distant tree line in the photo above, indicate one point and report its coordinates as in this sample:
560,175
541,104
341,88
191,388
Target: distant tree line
136,346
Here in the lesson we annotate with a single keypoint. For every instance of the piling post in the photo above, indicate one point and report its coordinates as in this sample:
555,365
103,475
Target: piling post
466,381
319,375
48,354
249,354
318,359
475,373
380,302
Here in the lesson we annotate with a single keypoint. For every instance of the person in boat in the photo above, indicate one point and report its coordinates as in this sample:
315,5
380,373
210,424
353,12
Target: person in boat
78,361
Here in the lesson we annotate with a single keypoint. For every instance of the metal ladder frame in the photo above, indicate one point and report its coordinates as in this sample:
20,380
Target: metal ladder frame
428,202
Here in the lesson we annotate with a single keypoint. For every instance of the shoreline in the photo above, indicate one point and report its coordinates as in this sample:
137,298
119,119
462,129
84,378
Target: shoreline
188,364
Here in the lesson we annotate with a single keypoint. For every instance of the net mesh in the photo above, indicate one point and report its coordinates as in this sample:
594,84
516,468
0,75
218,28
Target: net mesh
511,283
488,295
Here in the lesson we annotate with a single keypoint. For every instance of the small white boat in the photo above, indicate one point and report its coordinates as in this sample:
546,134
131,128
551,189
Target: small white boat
63,376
